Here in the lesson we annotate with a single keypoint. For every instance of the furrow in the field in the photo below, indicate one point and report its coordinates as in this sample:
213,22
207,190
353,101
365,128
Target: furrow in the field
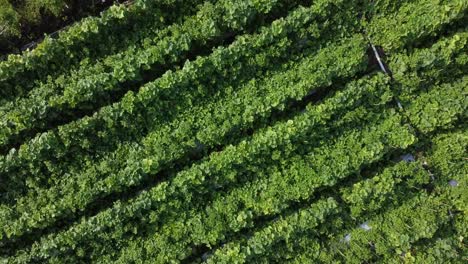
88,40
72,96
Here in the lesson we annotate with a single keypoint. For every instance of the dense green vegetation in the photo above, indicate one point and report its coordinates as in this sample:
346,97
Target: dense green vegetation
245,131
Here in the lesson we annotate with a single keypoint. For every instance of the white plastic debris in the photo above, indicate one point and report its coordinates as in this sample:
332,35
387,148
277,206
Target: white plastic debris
408,157
379,60
399,104
453,183
365,226
432,175
347,238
